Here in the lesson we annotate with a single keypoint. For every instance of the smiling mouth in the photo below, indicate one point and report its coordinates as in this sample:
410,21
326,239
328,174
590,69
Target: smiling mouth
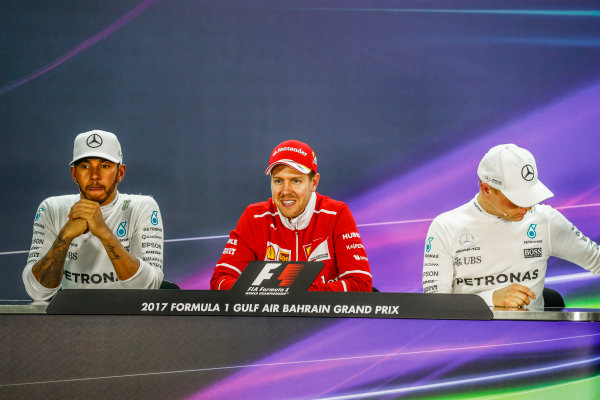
288,203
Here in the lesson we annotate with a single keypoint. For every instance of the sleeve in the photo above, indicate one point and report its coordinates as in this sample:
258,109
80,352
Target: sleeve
568,243
147,245
44,234
438,266
354,273
236,255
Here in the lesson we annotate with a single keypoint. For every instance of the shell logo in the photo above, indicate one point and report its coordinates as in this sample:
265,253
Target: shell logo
270,253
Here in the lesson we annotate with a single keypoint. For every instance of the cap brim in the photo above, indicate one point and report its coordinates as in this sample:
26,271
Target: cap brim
299,167
530,196
96,155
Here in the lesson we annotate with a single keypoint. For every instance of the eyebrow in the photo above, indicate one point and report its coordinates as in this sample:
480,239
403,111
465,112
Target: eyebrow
291,177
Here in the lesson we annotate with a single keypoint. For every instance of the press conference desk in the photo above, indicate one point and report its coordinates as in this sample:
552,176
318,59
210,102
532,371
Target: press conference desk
128,355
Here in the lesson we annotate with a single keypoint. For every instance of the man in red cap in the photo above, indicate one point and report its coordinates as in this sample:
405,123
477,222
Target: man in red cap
297,224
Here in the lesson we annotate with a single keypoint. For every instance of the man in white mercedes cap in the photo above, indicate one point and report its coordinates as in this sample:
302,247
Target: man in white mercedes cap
498,244
98,238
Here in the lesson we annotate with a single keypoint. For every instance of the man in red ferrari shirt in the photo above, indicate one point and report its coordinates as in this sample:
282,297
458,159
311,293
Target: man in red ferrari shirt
297,224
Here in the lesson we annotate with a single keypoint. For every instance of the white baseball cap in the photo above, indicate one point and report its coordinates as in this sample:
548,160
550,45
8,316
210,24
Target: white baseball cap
512,170
99,144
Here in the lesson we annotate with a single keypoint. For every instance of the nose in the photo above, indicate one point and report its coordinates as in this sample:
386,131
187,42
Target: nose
95,172
286,187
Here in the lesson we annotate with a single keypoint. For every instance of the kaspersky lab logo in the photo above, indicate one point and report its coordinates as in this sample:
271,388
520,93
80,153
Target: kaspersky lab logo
428,244
287,276
121,231
531,231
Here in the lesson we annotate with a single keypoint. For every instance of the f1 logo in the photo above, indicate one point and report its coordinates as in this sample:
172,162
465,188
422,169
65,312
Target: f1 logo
265,273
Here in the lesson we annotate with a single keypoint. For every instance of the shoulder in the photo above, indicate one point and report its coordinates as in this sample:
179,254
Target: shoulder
137,199
547,212
455,216
544,209
327,205
60,202
261,209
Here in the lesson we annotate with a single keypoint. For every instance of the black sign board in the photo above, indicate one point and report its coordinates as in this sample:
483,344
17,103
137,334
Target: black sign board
308,304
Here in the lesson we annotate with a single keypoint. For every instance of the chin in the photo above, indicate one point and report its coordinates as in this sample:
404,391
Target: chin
97,199
288,213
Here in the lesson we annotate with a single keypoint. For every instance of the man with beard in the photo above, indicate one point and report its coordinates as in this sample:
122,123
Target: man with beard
99,238
297,224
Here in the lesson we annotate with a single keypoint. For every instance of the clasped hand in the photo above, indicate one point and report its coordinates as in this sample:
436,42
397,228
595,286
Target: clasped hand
84,216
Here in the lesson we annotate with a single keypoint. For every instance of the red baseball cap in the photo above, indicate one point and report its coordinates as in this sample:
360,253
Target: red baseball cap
295,154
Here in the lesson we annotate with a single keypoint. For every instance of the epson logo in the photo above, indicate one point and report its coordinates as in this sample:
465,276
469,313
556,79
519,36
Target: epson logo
532,253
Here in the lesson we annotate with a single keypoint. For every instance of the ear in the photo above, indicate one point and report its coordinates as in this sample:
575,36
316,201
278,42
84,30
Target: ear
73,173
485,189
121,173
315,182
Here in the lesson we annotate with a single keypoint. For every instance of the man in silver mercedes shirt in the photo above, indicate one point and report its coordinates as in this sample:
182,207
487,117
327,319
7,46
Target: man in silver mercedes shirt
498,244
98,238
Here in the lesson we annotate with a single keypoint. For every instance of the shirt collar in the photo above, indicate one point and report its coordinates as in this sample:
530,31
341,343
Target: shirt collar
496,218
302,220
111,205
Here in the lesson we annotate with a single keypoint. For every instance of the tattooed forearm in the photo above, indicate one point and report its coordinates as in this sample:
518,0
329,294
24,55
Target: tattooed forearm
125,264
49,269
111,252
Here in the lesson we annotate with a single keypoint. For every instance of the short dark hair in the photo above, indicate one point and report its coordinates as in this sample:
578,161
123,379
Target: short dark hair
88,158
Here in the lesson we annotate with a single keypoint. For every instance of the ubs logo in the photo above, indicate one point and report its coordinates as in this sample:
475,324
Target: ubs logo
527,172
94,140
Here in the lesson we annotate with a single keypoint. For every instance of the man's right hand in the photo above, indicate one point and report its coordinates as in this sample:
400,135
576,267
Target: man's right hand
49,269
73,228
514,296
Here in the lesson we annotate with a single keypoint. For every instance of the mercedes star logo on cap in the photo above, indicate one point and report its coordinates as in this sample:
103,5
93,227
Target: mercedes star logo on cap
527,172
94,141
